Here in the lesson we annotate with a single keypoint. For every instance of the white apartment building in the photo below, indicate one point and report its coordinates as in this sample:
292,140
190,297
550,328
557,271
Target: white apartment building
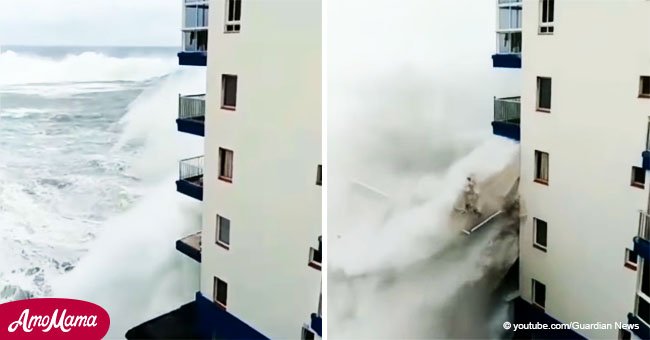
583,119
259,245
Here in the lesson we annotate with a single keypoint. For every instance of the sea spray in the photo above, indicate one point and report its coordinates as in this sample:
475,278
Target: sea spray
411,119
133,269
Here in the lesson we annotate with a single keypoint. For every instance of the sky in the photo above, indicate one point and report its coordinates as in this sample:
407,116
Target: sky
90,22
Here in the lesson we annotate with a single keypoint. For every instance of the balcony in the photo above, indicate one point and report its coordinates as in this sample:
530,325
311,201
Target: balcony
508,35
190,180
195,48
642,239
195,33
191,114
507,115
190,246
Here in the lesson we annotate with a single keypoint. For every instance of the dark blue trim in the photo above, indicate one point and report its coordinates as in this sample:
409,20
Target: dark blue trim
643,332
190,189
646,159
216,322
506,60
508,130
192,126
177,324
642,247
317,324
526,313
188,250
192,58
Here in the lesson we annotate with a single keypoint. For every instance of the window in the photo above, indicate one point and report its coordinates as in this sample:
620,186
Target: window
543,94
220,292
539,294
307,334
642,309
223,232
196,15
630,259
319,175
233,16
509,30
225,164
644,87
624,334
638,177
547,14
316,255
228,92
539,234
541,167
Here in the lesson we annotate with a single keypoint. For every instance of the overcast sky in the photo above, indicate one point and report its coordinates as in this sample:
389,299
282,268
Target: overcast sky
90,22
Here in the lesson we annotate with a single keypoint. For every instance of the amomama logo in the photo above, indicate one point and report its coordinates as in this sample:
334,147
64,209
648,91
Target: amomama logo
52,318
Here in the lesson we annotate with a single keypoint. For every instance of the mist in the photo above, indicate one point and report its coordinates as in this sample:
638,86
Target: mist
410,95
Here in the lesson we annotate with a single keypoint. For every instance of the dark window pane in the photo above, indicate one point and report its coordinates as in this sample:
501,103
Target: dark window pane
545,11
237,10
638,176
539,293
551,10
643,310
224,230
222,291
645,280
631,256
540,232
231,10
544,93
229,91
645,85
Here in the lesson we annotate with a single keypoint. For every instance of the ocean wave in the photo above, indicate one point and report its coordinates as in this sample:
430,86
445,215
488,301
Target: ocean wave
19,68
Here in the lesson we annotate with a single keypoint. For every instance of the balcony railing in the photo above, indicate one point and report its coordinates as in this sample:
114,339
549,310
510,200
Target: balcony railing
191,107
507,109
644,225
191,168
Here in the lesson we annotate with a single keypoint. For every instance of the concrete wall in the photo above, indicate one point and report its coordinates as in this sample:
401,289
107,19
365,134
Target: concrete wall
273,202
594,134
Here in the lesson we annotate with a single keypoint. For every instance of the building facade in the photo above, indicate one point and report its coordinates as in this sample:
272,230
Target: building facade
259,180
582,119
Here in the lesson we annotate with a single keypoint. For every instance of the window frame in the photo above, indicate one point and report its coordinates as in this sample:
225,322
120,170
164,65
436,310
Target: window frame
628,263
641,81
539,159
546,27
224,79
534,294
509,33
536,244
234,22
639,292
312,255
218,240
306,330
223,152
319,175
538,98
633,180
215,292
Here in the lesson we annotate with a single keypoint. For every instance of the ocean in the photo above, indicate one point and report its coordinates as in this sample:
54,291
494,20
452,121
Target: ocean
88,159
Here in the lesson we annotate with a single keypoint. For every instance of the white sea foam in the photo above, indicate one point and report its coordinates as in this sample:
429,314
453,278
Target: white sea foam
127,264
411,118
133,269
